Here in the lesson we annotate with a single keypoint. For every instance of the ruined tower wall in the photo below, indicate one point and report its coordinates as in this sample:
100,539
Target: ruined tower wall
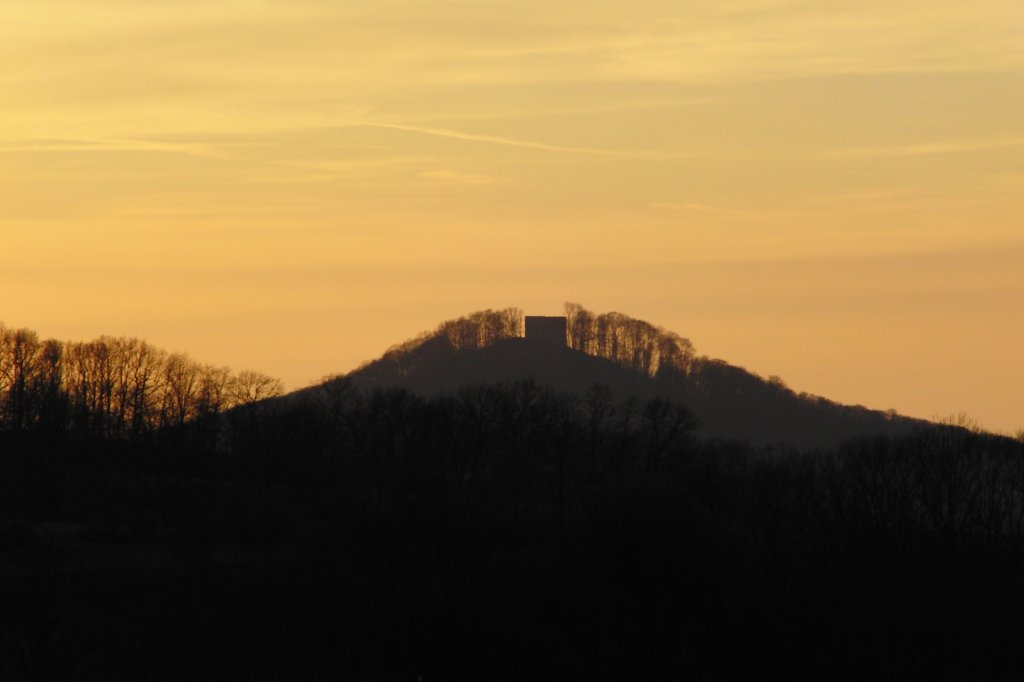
546,329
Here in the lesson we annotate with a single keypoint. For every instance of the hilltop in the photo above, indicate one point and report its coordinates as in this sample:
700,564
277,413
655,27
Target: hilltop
632,358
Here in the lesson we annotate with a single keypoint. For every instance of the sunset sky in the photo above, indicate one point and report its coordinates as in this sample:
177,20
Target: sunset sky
830,191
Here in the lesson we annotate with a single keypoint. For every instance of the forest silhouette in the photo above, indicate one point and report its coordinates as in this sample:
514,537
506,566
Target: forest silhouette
474,506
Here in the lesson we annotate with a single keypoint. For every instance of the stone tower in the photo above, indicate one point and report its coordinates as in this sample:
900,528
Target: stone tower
546,329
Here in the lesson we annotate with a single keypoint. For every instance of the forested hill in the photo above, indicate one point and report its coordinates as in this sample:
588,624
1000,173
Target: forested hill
632,358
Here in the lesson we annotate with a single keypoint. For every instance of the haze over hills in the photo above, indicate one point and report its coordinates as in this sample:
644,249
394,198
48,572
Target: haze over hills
632,358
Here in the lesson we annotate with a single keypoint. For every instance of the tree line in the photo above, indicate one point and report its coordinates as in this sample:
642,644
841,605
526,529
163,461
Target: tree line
632,343
116,388
470,332
511,531
638,345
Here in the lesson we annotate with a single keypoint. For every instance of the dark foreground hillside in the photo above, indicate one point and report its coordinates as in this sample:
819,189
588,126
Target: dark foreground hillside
504,532
728,402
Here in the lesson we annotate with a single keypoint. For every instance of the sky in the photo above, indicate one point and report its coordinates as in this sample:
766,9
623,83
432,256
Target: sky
829,191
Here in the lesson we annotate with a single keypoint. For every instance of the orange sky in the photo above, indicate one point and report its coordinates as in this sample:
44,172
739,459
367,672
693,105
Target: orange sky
832,191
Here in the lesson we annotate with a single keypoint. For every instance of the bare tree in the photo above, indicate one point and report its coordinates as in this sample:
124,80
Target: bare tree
250,387
666,425
180,389
20,349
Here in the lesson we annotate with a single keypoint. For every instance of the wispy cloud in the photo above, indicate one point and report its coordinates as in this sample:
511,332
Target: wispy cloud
704,208
512,142
108,145
931,148
458,178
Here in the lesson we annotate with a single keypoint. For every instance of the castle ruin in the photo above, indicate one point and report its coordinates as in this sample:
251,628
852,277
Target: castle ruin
547,329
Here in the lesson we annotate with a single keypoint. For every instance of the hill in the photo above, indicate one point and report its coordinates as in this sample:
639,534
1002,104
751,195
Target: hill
632,358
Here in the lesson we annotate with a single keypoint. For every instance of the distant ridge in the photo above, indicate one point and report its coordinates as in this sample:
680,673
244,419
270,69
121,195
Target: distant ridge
632,358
